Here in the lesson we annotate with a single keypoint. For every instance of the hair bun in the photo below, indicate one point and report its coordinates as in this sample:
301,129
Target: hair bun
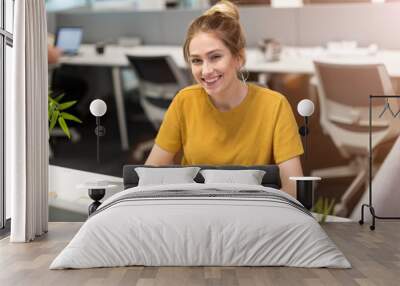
224,7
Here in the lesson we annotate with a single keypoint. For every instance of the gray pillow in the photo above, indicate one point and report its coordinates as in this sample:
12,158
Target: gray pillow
165,176
248,177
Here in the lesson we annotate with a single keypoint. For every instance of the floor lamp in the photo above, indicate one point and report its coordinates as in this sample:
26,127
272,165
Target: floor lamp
304,185
98,108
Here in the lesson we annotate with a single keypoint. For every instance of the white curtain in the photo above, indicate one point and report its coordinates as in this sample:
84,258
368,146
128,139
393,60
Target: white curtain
26,124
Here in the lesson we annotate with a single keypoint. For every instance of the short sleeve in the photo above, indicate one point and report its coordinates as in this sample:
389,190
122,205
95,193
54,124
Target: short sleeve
286,142
169,134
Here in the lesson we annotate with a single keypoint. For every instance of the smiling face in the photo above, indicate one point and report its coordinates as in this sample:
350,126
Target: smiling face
213,65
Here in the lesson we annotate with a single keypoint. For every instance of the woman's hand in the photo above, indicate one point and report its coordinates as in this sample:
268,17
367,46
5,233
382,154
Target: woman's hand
158,157
53,54
290,168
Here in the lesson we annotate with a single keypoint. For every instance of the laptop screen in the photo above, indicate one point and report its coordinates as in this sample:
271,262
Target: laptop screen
69,39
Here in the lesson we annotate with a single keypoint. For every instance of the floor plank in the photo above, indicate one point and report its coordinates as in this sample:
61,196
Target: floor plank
375,257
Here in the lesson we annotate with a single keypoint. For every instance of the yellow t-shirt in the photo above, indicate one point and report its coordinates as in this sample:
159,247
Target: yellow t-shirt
260,130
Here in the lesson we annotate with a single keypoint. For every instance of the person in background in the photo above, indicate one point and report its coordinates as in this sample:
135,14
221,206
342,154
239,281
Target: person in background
223,120
53,54
65,81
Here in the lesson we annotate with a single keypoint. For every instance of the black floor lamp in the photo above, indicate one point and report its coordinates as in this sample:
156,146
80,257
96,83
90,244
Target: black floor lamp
304,185
97,191
305,108
98,108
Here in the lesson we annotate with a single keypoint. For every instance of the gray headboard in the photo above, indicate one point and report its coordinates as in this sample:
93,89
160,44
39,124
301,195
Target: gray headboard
270,179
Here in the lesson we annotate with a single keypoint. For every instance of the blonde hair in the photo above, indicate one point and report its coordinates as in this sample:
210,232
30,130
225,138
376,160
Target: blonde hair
222,20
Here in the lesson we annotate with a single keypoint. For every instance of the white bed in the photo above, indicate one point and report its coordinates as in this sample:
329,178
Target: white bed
184,230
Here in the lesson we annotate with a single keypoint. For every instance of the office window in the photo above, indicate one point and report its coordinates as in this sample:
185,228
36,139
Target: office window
286,3
7,89
248,2
9,12
6,42
58,5
338,1
2,196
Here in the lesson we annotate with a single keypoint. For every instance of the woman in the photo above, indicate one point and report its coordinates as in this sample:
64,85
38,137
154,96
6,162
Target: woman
223,120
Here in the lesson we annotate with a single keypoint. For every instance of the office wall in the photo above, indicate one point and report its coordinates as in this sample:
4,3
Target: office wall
51,23
308,25
260,23
365,23
153,27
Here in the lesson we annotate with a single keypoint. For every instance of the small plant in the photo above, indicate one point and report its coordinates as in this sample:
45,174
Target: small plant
58,115
323,207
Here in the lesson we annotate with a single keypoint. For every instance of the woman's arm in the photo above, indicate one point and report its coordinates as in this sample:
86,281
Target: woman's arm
290,168
159,157
53,54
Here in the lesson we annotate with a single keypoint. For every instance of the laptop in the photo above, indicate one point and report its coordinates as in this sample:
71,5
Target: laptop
68,39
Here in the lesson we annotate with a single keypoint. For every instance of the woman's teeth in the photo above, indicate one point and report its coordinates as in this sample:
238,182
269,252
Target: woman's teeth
211,80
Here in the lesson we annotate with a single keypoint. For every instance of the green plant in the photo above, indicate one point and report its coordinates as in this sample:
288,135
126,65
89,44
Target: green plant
58,115
323,207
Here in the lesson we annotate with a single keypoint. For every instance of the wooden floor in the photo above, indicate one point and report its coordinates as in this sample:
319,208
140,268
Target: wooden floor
375,256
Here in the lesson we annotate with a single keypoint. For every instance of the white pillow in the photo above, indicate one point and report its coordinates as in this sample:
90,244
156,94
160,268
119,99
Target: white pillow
164,176
248,177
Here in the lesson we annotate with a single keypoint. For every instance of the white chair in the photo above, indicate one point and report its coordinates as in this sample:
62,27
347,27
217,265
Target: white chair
343,93
159,80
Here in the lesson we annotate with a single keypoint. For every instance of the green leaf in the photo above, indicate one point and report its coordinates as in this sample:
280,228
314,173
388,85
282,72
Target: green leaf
317,206
68,116
58,98
330,207
52,108
55,115
324,207
64,126
66,105
52,101
53,120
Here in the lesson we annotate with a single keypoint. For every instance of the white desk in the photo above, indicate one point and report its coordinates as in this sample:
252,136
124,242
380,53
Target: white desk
66,192
293,60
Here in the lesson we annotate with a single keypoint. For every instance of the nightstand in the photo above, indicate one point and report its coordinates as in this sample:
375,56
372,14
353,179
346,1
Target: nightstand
96,191
305,190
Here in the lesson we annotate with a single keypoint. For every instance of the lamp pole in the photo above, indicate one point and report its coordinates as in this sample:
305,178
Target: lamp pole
304,185
305,108
98,108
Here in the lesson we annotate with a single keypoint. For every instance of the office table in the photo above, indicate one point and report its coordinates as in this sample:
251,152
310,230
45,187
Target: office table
298,60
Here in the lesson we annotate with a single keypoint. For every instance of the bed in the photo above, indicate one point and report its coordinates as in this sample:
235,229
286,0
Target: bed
201,223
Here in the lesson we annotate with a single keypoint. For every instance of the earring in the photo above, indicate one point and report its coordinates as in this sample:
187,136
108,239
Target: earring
242,75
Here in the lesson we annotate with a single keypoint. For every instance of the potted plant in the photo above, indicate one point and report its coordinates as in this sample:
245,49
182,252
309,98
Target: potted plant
58,115
323,208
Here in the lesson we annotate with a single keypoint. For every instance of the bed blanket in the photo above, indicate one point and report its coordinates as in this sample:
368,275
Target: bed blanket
201,224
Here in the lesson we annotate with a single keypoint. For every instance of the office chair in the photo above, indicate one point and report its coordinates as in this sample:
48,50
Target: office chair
343,93
159,80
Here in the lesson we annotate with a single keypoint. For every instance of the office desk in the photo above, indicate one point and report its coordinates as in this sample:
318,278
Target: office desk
293,60
115,58
66,195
